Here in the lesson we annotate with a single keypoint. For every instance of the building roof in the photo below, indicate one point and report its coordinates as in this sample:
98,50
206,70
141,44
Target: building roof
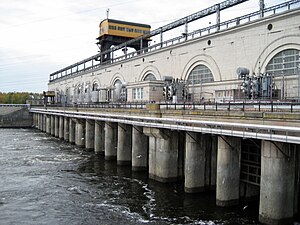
127,23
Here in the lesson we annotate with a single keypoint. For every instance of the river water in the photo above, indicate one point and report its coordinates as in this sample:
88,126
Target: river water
44,180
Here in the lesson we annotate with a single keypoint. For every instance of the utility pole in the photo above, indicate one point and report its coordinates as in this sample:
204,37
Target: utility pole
298,70
107,13
186,30
218,19
261,8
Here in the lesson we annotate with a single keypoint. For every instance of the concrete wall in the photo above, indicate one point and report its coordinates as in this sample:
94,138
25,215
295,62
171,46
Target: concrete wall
13,116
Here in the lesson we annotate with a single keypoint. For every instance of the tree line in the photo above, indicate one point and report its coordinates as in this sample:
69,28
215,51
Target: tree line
17,97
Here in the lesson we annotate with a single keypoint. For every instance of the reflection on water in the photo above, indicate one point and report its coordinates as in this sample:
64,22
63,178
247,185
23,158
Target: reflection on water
47,181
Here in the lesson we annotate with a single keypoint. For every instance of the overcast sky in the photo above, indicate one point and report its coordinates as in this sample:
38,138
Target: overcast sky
38,37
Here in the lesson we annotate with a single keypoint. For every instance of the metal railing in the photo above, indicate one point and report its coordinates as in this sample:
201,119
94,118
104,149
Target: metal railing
281,133
244,106
15,105
272,106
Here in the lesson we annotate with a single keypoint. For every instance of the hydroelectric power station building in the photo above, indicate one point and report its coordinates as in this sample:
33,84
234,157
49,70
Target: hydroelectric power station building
217,108
265,43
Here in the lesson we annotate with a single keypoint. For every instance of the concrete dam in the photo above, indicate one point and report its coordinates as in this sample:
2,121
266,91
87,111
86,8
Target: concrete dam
242,155
216,108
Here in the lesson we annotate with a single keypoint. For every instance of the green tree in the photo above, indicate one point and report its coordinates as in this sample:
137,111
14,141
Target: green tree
16,97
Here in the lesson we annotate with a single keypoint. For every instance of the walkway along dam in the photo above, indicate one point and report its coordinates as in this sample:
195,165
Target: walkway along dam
217,108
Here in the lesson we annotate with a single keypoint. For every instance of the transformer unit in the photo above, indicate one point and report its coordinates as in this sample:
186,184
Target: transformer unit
174,89
258,86
103,95
242,72
95,96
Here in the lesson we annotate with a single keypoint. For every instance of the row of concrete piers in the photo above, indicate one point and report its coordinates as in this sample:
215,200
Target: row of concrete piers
203,161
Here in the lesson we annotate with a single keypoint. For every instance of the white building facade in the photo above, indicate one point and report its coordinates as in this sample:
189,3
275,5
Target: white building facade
207,64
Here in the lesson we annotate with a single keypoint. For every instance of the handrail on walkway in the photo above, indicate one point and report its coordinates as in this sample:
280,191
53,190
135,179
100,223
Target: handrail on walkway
281,133
15,105
257,106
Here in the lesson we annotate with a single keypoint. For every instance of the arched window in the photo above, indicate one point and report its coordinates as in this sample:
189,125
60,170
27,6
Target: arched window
95,87
149,76
117,82
284,63
200,74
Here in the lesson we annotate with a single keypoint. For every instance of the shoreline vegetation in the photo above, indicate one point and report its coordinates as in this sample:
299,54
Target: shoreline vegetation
17,97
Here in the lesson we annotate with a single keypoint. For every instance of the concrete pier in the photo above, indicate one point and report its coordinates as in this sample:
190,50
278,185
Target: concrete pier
34,122
213,162
163,154
124,147
66,129
44,123
40,123
72,131
140,149
48,124
99,137
56,124
80,133
111,141
89,134
61,127
152,155
228,171
37,121
52,125
197,162
277,186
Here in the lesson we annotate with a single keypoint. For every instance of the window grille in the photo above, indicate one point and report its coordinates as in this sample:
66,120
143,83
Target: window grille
284,63
200,74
